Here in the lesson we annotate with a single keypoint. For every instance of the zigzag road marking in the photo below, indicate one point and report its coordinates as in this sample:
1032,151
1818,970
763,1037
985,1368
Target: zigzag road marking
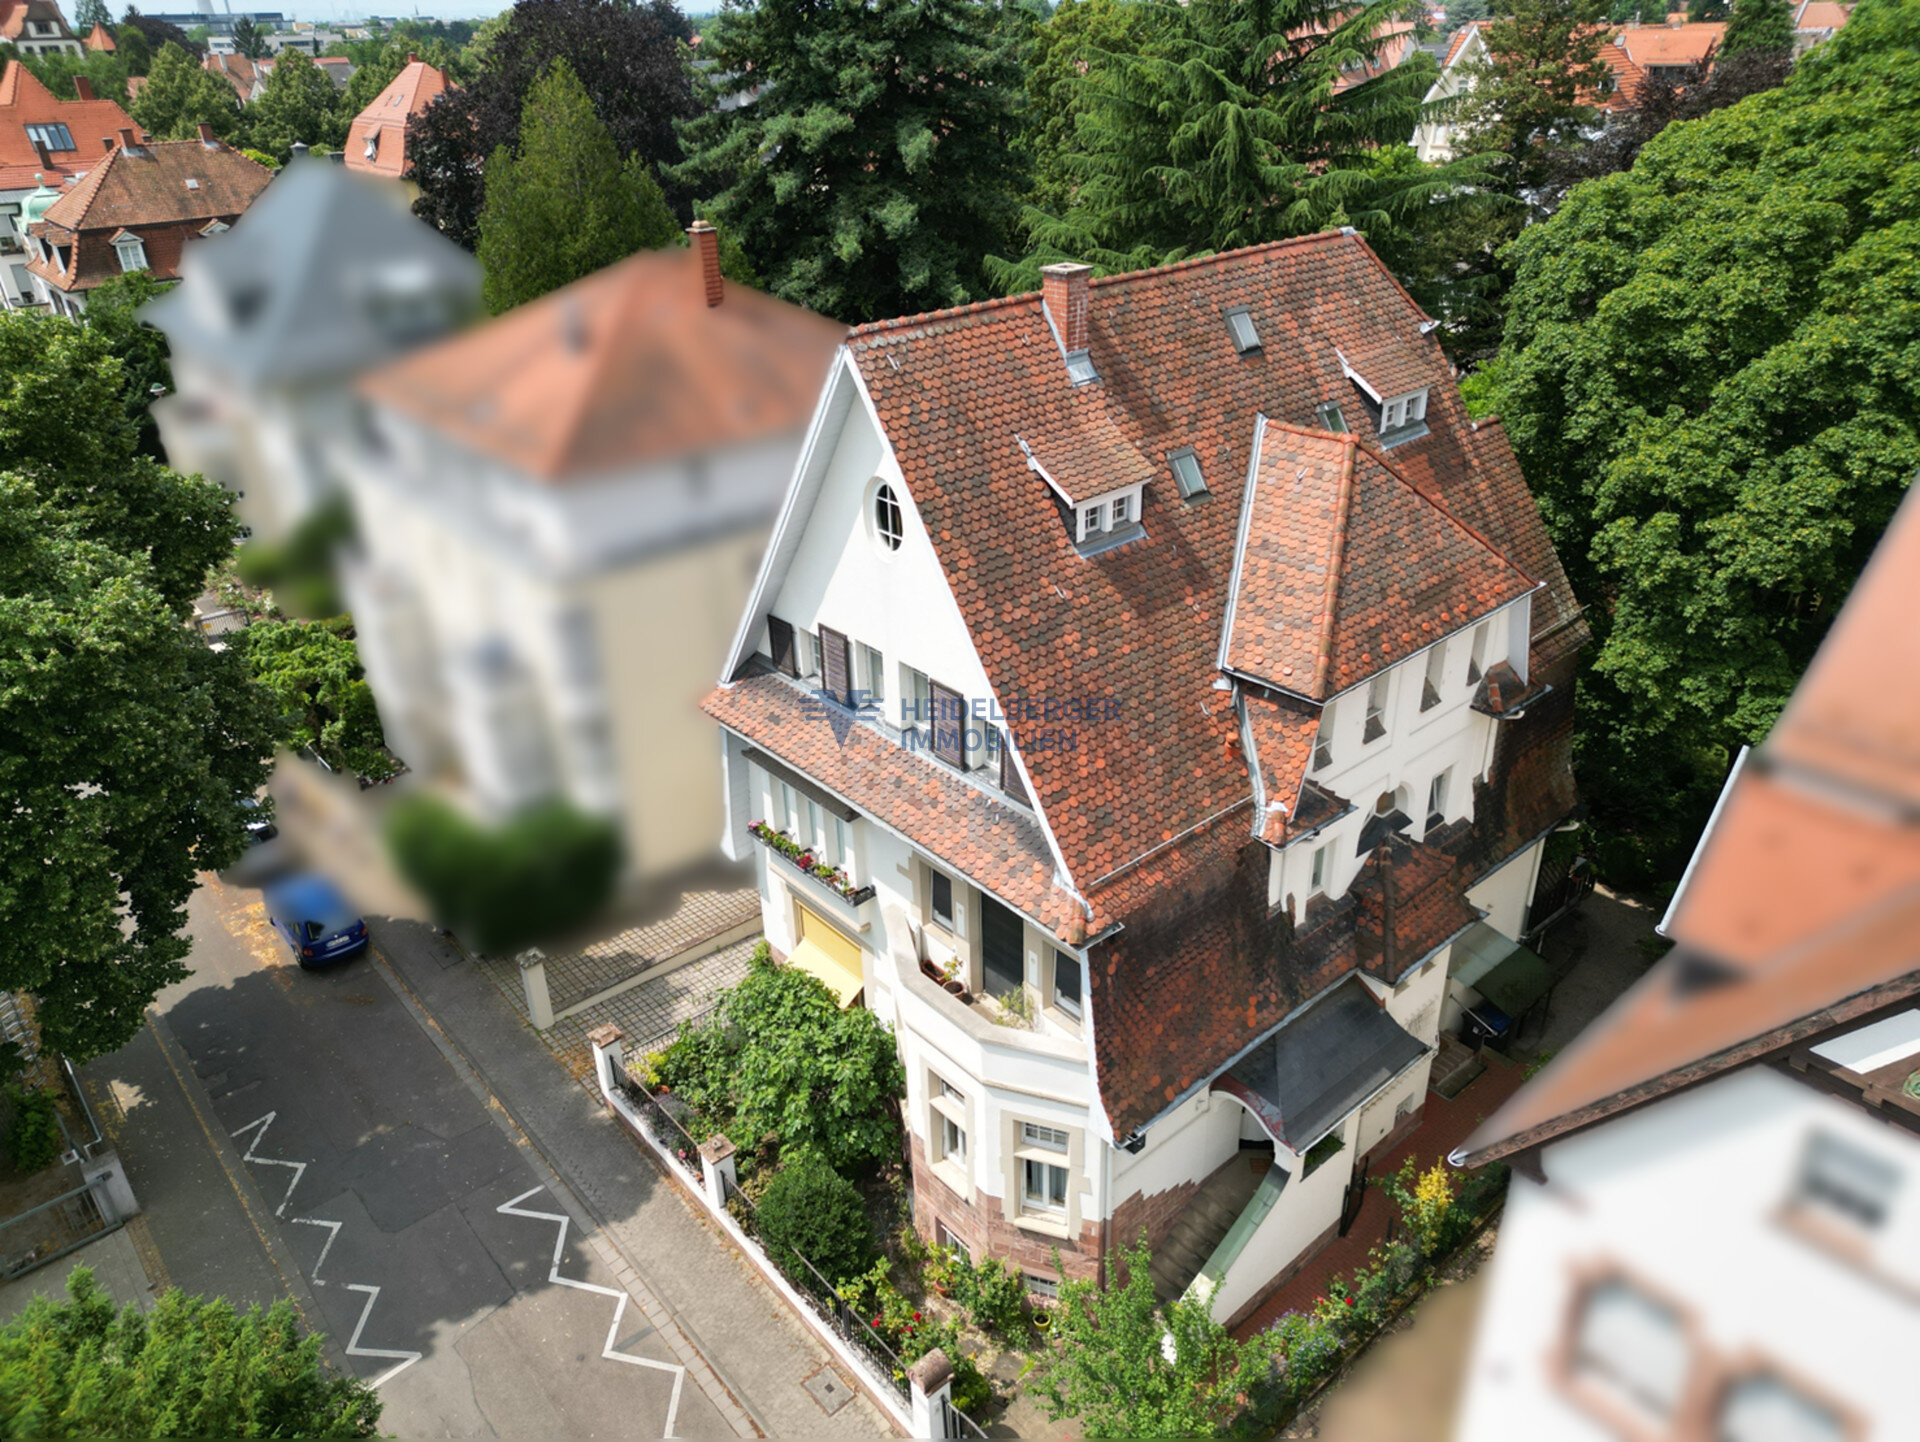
331,1238
514,1209
299,1168
354,1349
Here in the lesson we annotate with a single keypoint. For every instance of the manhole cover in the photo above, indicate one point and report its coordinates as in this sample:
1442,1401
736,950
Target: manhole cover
828,1390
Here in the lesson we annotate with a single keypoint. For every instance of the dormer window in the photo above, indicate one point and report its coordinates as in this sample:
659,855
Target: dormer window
1186,473
1240,326
53,136
1331,419
1115,515
372,151
1402,413
131,252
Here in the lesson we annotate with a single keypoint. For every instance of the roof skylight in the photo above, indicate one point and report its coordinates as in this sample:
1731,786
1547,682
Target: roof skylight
1186,473
1240,326
1080,368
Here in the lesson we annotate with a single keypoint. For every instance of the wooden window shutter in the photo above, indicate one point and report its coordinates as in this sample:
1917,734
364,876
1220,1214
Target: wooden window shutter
836,666
1010,773
780,643
949,724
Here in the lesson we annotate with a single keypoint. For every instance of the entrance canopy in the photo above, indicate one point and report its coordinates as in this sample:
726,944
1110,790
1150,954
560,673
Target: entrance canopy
1303,1080
1500,969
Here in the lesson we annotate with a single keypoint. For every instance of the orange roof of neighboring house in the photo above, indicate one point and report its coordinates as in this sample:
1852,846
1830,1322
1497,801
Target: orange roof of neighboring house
1650,45
100,38
1458,42
239,72
164,192
1821,15
25,101
624,367
1801,909
377,139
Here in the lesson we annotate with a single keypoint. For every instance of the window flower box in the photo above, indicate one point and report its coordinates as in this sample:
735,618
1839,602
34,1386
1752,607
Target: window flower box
804,860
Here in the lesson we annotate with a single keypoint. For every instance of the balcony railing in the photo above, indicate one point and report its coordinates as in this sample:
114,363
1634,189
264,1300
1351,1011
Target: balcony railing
803,860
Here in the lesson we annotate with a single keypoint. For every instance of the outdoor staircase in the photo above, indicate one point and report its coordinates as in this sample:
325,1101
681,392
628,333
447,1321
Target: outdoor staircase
1205,1223
1455,1066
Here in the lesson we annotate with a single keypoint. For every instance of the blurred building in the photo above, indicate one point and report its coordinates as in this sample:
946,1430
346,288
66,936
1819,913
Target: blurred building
140,207
100,38
1713,1230
45,145
1156,698
378,138
323,278
559,514
247,77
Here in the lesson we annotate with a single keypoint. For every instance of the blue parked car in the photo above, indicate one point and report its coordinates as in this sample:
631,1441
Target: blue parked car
314,917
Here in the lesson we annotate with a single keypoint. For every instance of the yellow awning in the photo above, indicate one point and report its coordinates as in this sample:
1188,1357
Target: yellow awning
825,951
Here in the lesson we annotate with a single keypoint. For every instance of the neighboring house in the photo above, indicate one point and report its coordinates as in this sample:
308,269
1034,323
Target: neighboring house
558,515
1672,51
1467,55
138,208
45,145
1815,21
377,139
321,279
1713,1229
36,27
247,77
1169,654
337,68
100,38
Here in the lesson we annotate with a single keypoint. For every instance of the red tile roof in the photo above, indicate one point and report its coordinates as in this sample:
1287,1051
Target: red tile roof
1802,907
14,15
100,38
1141,626
239,72
25,101
1344,568
1649,45
1821,15
165,192
628,365
386,122
1282,732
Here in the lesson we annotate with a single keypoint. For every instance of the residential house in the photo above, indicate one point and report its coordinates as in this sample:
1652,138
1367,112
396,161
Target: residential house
1674,51
1467,56
558,515
100,38
323,278
377,139
138,208
1163,677
1713,1227
1815,21
36,27
247,77
46,144
337,68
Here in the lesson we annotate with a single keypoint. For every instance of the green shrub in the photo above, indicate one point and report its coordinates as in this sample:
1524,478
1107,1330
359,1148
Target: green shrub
778,1057
34,1140
994,1295
810,1208
971,1390
509,886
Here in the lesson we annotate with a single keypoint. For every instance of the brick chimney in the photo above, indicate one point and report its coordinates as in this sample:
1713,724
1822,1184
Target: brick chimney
207,137
706,245
40,149
1064,293
107,142
411,57
126,138
83,87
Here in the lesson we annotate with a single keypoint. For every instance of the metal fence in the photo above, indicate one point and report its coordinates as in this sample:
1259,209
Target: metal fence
822,1295
51,1230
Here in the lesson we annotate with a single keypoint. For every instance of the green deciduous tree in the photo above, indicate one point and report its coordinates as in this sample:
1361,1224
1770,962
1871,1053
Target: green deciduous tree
1107,1362
179,95
1709,378
564,205
132,47
1535,93
125,742
1758,25
106,72
194,1368
113,313
779,1058
876,166
312,669
299,104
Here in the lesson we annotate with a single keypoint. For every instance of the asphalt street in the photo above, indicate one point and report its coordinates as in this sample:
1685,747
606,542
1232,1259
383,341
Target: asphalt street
426,1237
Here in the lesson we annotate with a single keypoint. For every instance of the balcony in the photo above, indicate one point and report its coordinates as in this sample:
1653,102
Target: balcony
819,878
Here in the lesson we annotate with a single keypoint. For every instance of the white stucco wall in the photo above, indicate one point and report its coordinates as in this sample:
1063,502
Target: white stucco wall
1688,1198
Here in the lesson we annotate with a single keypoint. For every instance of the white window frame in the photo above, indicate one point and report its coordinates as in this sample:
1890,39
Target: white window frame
951,1119
916,686
886,500
132,255
1379,699
1045,1152
1323,739
1093,519
1403,411
1477,653
1074,1009
1437,798
1317,870
1436,673
874,678
956,924
1120,511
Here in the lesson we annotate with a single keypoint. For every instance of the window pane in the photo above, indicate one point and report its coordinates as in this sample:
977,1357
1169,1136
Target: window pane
1122,510
949,724
1765,1409
943,900
1634,1346
1052,1138
1840,1177
1066,983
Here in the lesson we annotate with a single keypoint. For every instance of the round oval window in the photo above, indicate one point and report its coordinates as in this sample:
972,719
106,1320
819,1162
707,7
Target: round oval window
887,522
